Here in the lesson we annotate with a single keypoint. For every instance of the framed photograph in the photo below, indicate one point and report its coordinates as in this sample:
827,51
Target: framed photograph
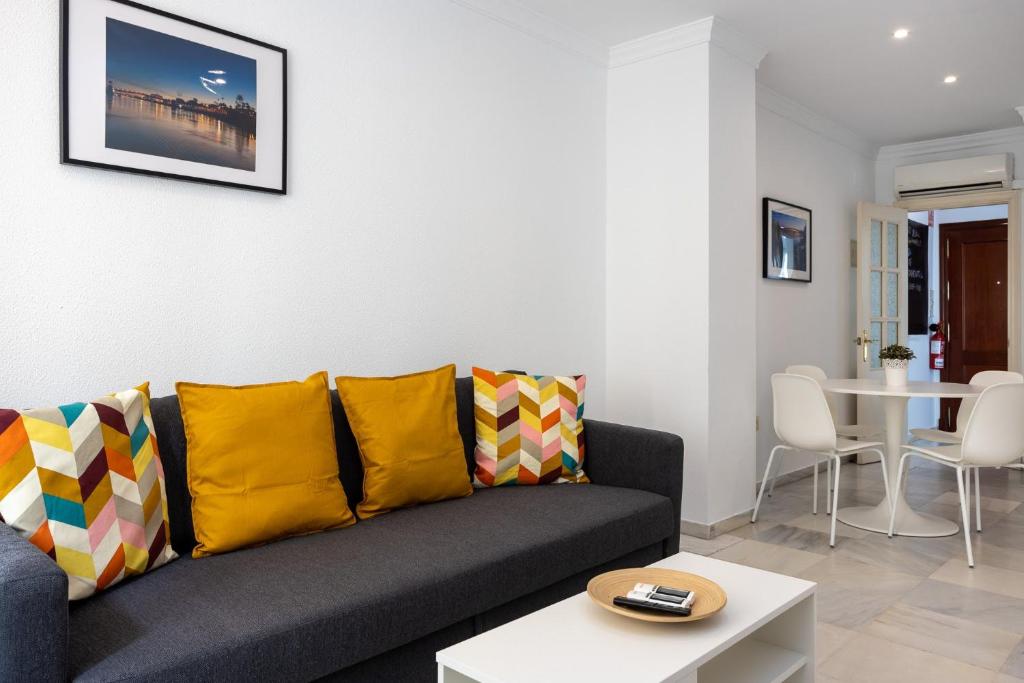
786,244
146,91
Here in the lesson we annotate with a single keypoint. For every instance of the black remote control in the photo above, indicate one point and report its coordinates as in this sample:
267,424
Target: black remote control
651,606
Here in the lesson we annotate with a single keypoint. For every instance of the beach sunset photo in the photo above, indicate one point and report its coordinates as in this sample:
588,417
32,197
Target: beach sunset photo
179,99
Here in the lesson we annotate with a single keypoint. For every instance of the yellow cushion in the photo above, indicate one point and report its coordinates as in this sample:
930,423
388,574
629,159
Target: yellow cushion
261,462
408,438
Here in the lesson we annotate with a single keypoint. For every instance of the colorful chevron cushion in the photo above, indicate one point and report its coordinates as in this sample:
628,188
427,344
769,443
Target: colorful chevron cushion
83,482
529,429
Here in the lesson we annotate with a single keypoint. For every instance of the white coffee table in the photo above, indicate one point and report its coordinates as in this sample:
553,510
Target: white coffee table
764,634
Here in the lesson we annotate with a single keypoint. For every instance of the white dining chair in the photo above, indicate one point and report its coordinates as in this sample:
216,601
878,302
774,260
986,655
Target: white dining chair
985,378
803,422
993,437
852,431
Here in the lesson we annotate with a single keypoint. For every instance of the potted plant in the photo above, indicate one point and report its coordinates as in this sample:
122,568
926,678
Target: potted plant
895,359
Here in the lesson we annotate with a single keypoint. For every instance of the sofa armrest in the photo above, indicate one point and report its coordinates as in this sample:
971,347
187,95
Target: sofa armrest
637,458
33,612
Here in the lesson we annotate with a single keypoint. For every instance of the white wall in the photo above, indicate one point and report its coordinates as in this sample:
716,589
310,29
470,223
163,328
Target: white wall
446,186
681,301
658,263
732,325
808,323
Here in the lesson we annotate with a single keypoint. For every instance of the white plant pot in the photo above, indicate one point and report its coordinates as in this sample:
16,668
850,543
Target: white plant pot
895,372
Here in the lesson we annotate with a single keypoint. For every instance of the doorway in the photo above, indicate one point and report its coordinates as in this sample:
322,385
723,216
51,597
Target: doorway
966,289
974,308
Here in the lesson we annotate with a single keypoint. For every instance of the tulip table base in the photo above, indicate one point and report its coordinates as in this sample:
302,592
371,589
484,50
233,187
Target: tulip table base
908,522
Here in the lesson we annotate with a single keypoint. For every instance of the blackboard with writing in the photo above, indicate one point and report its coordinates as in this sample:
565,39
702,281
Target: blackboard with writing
917,278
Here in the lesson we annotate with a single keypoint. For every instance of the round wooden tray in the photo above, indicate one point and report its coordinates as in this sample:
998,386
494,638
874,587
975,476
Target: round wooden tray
604,588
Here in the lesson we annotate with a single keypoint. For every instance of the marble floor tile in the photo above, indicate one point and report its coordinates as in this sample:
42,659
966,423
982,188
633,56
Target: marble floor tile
1017,515
952,513
927,470
752,530
852,593
918,485
701,546
1010,489
1008,532
857,497
829,639
783,507
867,659
941,634
991,555
894,553
983,577
820,523
772,558
905,609
987,504
983,607
793,537
1014,664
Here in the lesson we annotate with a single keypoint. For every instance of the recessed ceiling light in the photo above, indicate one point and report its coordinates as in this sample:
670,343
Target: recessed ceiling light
949,79
900,33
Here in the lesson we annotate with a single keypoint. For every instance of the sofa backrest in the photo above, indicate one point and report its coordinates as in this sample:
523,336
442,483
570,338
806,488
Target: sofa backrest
170,435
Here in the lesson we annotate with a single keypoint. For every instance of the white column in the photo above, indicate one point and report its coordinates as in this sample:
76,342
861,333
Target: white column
682,253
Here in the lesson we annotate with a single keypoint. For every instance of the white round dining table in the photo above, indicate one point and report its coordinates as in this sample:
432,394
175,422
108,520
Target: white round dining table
894,402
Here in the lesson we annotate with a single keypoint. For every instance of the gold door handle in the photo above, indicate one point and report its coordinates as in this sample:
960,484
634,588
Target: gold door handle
864,341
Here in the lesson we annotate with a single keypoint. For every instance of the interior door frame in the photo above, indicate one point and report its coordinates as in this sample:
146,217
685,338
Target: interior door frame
1014,257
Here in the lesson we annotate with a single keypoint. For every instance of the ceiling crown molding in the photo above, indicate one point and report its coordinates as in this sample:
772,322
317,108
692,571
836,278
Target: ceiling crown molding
538,26
727,37
813,121
991,138
708,30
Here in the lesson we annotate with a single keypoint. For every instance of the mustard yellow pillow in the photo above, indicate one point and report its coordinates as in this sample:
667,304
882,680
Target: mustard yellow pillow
408,438
262,464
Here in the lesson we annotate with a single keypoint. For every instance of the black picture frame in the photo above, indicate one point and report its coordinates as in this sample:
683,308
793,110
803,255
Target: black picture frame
771,248
65,123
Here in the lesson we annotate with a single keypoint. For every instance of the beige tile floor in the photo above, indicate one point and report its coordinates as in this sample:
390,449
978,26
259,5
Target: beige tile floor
901,609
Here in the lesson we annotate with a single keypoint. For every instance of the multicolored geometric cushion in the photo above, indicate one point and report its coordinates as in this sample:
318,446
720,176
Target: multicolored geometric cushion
83,482
529,429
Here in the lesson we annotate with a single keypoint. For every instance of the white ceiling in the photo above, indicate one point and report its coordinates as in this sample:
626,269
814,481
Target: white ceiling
838,57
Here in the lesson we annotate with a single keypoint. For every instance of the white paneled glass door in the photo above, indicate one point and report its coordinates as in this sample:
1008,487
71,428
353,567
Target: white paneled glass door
881,292
881,284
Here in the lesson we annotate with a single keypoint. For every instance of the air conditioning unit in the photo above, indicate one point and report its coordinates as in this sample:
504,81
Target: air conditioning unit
994,171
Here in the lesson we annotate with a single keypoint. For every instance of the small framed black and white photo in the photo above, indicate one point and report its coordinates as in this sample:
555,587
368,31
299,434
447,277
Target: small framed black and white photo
786,241
150,92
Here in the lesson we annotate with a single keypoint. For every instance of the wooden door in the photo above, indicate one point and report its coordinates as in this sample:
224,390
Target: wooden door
972,272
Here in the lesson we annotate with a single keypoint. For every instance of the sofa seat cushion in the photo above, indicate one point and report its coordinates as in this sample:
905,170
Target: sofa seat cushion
305,607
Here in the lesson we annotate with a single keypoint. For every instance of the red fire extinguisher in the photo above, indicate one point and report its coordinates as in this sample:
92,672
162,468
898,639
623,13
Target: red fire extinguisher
937,352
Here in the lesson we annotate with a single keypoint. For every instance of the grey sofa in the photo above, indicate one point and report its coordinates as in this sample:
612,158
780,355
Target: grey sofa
372,602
